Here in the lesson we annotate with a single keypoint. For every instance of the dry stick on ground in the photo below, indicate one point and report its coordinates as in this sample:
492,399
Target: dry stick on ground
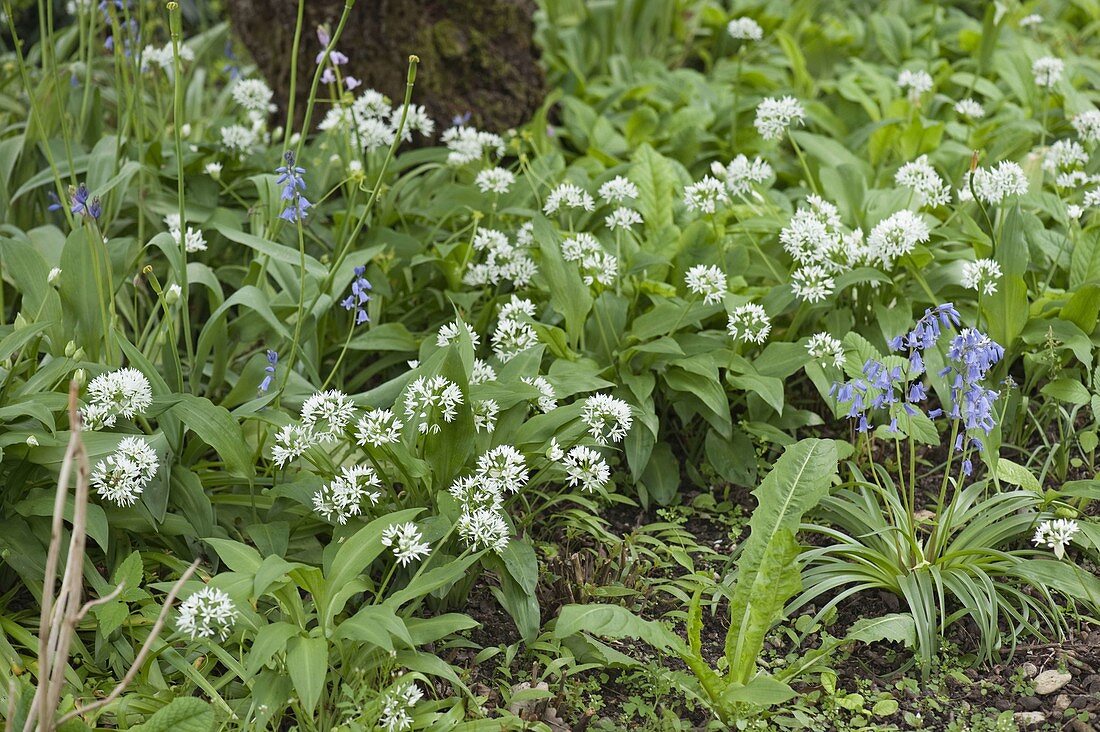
60,615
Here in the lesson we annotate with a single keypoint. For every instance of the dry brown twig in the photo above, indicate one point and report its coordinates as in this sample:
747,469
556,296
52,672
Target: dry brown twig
62,613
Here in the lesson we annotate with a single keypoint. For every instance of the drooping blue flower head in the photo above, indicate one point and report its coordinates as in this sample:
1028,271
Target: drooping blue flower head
83,204
294,185
926,333
55,202
359,297
272,362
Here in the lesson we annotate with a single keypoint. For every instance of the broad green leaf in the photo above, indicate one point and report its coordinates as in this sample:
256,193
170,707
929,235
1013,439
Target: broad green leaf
612,621
898,627
1017,475
307,662
183,714
362,548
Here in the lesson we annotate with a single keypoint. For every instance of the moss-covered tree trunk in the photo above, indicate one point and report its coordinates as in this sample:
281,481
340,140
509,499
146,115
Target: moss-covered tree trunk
477,56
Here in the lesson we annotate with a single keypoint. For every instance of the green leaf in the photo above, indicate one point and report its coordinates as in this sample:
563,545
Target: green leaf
899,627
1067,390
362,548
269,640
761,691
1018,475
216,427
237,556
307,661
183,714
568,293
377,625
612,621
800,479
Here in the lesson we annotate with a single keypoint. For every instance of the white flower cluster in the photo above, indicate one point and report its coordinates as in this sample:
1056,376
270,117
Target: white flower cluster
406,542
568,196
749,323
468,145
343,497
620,191
372,121
495,180
981,275
481,497
396,711
163,56
586,468
915,82
1056,534
1087,125
429,400
595,264
1048,71
239,138
826,349
378,427
745,29
706,195
774,115
325,417
123,476
514,333
993,185
896,236
194,240
710,282
816,240
208,613
547,400
504,261
253,95
122,393
741,174
969,108
920,177
1065,158
608,419
485,413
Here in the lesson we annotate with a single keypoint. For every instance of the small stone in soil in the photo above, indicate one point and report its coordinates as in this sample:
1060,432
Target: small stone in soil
1031,703
1051,681
1026,719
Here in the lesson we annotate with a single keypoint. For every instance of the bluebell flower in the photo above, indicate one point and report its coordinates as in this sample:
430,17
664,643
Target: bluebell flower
460,119
290,178
967,467
359,297
926,333
272,362
55,202
82,204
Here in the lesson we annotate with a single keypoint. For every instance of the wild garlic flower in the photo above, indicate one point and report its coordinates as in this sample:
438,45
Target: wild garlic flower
1064,155
238,138
467,145
749,323
774,115
595,264
1056,534
608,419
123,476
406,541
472,493
429,399
1074,211
706,195
516,308
484,528
396,710
618,190
502,470
586,467
993,185
343,498
378,427
969,108
513,337
1030,21
449,332
253,95
981,275
741,174
826,349
495,180
122,393
1087,124
1092,198
1048,71
208,613
482,373
710,282
920,177
745,29
915,82
547,400
291,442
327,414
567,196
503,261
812,283
896,236
554,453
485,413
622,218
416,120
814,235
